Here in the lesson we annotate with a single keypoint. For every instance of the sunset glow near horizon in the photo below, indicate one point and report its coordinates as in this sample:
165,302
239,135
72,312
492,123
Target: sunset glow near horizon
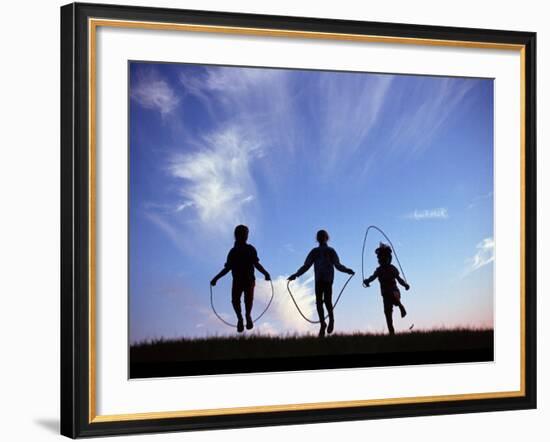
288,152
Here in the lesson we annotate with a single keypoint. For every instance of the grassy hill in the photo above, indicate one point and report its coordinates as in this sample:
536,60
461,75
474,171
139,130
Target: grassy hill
256,346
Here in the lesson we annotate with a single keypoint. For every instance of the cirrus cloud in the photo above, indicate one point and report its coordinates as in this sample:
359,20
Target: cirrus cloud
283,317
420,215
215,180
153,92
485,254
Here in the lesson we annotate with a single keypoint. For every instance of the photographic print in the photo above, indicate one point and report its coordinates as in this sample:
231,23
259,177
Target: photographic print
288,219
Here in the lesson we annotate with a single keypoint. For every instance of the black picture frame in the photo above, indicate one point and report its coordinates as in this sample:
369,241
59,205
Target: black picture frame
77,403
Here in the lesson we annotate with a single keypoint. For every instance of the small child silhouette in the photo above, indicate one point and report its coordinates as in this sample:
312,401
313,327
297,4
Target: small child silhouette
241,261
324,259
387,274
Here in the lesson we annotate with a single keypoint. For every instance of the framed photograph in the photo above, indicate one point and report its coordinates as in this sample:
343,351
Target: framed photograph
274,220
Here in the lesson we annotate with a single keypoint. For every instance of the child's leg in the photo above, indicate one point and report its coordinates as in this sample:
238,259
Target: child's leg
402,309
388,313
329,306
319,301
248,300
389,322
397,302
236,291
319,305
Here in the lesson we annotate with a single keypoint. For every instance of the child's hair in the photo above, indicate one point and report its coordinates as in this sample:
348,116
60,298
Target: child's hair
384,253
241,233
322,236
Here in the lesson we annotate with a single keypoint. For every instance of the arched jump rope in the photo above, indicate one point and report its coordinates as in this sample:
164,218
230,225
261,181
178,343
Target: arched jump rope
363,252
394,253
253,320
333,306
339,294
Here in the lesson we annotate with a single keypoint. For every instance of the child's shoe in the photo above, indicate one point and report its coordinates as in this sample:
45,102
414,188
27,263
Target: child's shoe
322,329
330,326
240,326
403,311
249,323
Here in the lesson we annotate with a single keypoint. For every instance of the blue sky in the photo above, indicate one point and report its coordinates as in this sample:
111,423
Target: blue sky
288,152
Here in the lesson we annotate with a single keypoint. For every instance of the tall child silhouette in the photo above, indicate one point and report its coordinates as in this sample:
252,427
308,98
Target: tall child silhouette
324,259
387,274
241,261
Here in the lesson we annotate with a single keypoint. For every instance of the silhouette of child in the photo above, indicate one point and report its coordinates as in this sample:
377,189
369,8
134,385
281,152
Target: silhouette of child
387,274
241,261
324,259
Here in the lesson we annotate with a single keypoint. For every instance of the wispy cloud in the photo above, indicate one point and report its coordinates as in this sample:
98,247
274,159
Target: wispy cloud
216,180
229,86
266,328
169,229
184,206
437,105
485,254
283,317
252,97
213,171
345,108
258,100
479,199
348,110
426,214
232,81
289,247
153,92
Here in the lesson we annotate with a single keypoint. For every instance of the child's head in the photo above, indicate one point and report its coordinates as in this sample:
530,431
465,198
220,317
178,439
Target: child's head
241,233
384,254
322,236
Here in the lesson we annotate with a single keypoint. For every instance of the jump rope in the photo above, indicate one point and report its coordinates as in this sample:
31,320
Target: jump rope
371,227
253,320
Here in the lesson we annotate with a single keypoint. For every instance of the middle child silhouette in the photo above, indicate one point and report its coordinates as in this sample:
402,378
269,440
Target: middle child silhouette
324,259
